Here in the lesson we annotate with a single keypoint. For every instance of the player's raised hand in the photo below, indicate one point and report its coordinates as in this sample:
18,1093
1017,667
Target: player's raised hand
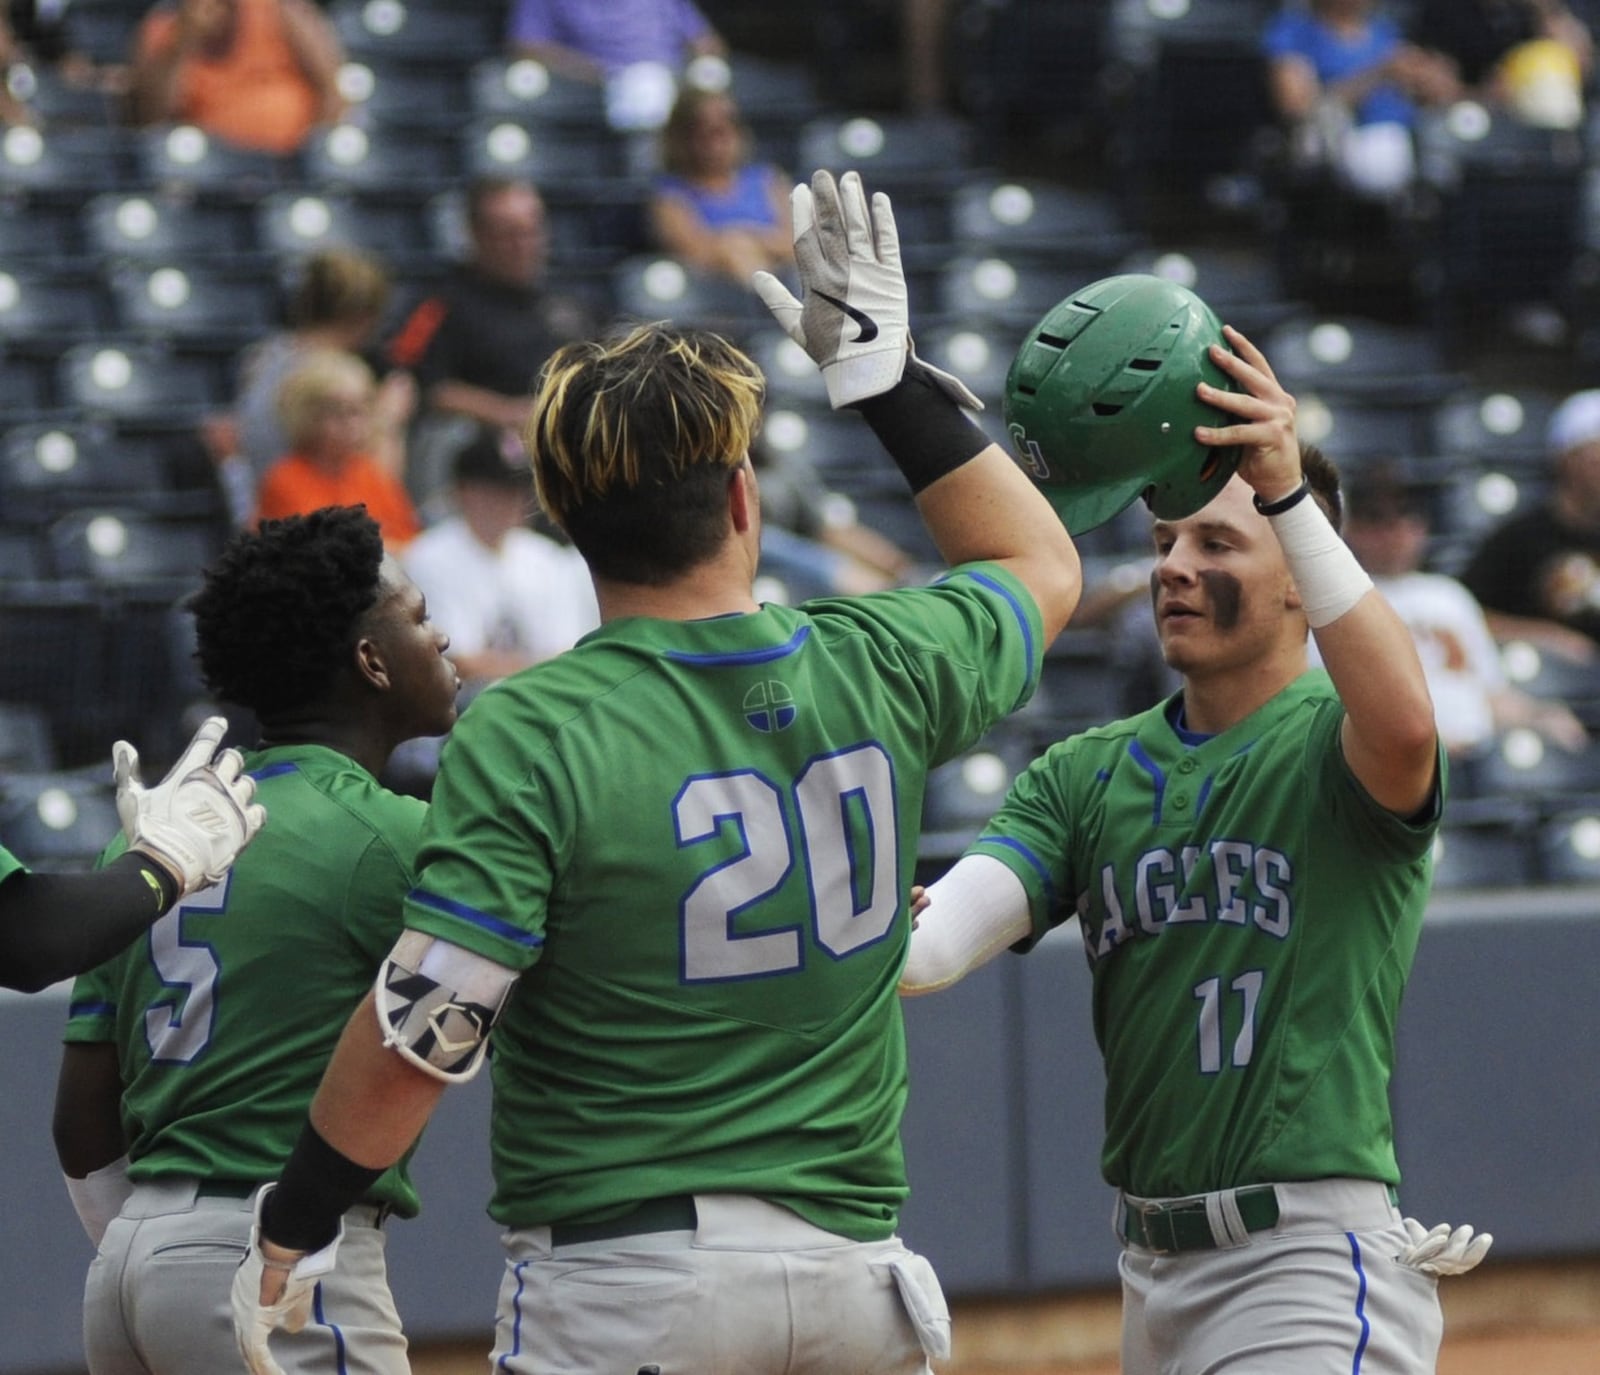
269,1294
1263,425
199,817
853,319
1442,1250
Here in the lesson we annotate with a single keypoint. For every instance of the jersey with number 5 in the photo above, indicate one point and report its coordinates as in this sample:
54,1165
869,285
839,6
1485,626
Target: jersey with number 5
226,1013
1250,917
698,839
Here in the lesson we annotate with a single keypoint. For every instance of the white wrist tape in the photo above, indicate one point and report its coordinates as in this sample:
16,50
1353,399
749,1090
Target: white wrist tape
974,912
1326,572
99,1195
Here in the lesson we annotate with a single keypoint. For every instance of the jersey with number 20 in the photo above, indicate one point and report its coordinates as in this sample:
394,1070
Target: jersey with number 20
697,839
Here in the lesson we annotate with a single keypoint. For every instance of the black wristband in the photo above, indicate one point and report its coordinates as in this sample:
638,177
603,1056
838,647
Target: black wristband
163,887
926,433
317,1187
1282,504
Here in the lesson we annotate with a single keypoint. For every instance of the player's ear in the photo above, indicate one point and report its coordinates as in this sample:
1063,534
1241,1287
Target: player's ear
743,498
370,664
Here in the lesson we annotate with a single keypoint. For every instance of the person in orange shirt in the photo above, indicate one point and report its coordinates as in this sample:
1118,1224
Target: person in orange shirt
326,405
258,73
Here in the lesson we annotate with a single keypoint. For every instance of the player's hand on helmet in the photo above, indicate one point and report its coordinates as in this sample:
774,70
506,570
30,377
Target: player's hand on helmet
199,817
272,1289
853,318
1262,421
1443,1250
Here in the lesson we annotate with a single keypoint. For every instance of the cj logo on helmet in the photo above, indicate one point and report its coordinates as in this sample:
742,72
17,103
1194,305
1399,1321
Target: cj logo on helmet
1030,453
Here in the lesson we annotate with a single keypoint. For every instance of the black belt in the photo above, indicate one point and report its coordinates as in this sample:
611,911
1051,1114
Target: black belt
226,1188
1168,1228
675,1213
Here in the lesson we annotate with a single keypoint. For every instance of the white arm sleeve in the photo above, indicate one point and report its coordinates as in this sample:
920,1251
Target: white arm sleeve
974,912
99,1195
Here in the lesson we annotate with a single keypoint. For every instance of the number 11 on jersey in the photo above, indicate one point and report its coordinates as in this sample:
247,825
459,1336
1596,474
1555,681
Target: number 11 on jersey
1208,993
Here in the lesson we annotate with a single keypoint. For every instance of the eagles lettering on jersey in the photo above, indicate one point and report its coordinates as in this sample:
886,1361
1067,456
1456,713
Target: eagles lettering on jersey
1242,885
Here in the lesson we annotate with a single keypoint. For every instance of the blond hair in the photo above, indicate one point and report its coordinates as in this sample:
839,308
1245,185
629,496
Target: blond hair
321,373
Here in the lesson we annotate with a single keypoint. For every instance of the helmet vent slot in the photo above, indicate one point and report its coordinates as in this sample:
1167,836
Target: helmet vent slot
1054,341
1107,407
1145,364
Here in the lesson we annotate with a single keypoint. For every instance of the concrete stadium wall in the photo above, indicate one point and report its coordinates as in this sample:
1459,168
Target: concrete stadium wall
1497,1102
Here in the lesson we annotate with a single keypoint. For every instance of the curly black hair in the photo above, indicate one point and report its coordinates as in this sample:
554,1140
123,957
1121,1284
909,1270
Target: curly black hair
278,612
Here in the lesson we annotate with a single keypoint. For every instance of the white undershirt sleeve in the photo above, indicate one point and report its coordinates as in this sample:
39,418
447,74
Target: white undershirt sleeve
978,909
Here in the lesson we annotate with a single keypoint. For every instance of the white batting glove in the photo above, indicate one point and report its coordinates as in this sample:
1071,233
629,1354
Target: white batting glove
854,320
254,1320
1441,1251
197,819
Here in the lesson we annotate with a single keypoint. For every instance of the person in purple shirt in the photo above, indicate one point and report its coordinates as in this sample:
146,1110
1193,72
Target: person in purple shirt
598,39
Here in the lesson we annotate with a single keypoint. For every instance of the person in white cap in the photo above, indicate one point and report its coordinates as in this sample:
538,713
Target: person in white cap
1537,573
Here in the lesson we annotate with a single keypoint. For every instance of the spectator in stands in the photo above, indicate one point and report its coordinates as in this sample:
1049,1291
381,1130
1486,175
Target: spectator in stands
1528,56
811,538
635,48
259,74
1537,573
327,407
13,110
338,302
477,343
510,596
1386,527
713,208
1348,86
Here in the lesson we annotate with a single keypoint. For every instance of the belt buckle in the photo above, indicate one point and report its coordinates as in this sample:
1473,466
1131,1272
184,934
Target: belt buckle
1150,1212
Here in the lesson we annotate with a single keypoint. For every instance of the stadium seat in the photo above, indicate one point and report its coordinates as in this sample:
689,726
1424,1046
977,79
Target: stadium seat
1474,500
101,30
1494,854
1012,294
54,662
1554,678
135,382
58,820
1495,424
47,470
26,745
23,557
964,793
556,159
890,151
529,93
197,306
182,158
980,356
406,165
292,224
27,386
660,288
1241,284
1522,764
44,311
140,227
1361,358
1023,218
41,235
835,443
1569,846
1351,431
382,93
63,165
421,30
101,544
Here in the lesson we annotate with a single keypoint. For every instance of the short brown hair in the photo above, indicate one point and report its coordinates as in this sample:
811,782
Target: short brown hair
338,286
634,439
1323,476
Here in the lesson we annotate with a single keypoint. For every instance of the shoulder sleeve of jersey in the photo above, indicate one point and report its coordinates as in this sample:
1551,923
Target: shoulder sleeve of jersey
1031,835
1353,809
383,875
501,817
9,864
92,1008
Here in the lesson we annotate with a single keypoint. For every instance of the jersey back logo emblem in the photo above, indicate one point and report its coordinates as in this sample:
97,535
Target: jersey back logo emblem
866,326
769,707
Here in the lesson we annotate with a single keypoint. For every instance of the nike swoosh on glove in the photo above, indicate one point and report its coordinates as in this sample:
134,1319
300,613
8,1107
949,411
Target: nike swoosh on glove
853,321
1442,1251
254,1322
199,817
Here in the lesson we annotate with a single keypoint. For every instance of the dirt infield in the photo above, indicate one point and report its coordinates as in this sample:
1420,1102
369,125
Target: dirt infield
1508,1319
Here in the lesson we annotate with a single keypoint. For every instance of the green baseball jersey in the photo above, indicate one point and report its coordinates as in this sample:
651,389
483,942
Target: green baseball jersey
9,864
225,1015
697,839
1250,916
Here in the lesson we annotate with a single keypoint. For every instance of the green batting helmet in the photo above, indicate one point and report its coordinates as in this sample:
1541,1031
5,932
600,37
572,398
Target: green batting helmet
1100,401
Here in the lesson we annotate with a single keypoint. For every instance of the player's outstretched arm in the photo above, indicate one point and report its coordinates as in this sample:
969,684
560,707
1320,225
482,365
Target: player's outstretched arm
963,920
1389,737
852,319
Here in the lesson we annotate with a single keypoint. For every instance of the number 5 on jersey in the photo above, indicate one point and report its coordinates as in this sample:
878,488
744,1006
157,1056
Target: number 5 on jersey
177,1025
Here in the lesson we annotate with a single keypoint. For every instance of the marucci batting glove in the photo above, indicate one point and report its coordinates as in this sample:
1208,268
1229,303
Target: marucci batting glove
255,1321
853,320
1441,1251
199,817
